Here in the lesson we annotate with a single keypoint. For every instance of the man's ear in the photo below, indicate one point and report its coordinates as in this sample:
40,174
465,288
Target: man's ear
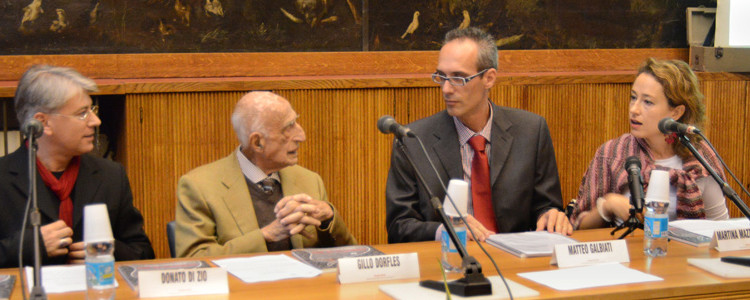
44,119
256,141
489,78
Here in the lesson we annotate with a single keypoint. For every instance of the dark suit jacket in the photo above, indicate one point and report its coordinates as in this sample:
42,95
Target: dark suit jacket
523,174
99,181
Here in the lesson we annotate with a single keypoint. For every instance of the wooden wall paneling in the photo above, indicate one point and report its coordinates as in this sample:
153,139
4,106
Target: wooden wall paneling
168,135
344,146
726,128
416,103
196,65
510,95
580,117
745,154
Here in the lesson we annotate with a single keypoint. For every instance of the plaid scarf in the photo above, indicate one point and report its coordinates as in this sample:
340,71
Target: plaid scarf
606,174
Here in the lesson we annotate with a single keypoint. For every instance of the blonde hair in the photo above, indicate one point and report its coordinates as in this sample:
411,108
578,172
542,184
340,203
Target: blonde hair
681,87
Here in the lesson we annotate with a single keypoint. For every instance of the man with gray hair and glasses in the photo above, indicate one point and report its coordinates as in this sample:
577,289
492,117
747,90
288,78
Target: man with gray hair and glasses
505,153
68,177
257,199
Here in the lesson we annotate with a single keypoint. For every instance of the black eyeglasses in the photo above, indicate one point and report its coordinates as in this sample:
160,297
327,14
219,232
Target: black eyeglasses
455,80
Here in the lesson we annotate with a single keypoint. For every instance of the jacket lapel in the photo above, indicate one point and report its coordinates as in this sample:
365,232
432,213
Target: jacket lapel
20,179
445,145
501,142
87,185
237,197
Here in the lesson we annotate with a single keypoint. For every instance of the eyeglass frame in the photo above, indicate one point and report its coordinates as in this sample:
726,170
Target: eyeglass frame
91,109
449,79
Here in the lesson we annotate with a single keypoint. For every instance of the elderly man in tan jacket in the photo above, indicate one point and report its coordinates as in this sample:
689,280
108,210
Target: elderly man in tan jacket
257,199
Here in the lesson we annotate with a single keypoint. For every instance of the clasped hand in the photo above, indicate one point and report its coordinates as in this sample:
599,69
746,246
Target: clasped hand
293,214
58,241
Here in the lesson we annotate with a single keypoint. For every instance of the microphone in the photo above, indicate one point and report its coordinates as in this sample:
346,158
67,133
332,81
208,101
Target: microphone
32,128
633,167
386,124
669,125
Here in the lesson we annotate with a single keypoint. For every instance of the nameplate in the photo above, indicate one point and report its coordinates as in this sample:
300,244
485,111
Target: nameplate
731,239
377,268
182,282
590,253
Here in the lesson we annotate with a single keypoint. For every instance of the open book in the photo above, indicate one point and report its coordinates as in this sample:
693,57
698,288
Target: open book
130,272
529,243
326,259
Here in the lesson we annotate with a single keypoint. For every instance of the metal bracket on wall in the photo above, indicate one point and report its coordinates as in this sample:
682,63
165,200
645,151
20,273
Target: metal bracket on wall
718,52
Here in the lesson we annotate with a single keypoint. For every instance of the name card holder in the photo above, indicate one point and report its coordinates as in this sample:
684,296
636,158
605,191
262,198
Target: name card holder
731,239
182,282
378,268
590,253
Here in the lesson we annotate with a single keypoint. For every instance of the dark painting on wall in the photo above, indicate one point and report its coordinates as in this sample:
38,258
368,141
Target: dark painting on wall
534,24
150,26
174,26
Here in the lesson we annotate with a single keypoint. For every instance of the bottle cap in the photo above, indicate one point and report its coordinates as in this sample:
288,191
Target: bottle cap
96,226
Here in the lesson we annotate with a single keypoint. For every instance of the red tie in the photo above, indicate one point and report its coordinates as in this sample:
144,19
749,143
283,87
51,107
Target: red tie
481,195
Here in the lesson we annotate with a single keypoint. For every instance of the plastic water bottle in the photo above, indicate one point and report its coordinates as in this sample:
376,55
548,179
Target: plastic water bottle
451,259
100,270
656,228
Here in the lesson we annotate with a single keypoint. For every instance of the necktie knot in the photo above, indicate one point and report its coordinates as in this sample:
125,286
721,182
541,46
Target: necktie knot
267,185
477,143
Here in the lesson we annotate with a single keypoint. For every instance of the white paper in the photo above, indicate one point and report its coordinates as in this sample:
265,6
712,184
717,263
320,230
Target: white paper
707,227
589,276
60,279
266,268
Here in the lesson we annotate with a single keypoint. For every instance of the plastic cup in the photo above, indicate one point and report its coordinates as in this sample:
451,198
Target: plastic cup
96,226
658,186
459,191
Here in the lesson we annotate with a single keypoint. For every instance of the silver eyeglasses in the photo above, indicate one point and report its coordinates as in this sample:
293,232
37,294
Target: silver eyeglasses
455,80
83,116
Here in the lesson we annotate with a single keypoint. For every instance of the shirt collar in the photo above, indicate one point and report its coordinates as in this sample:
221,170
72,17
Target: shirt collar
251,171
464,133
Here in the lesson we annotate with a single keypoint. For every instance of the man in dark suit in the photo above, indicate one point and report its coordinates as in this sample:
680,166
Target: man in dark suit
68,178
517,186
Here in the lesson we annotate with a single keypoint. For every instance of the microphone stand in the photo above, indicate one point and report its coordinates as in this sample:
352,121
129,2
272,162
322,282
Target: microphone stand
725,188
37,291
632,223
473,283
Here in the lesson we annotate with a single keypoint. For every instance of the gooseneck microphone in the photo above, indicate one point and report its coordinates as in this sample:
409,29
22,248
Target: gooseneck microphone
633,167
33,128
387,124
669,125
473,283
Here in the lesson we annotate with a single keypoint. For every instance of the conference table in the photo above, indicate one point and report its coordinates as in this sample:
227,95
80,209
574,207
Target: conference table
681,280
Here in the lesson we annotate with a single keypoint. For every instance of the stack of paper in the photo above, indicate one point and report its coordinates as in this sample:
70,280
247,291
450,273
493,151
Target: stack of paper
699,232
530,243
